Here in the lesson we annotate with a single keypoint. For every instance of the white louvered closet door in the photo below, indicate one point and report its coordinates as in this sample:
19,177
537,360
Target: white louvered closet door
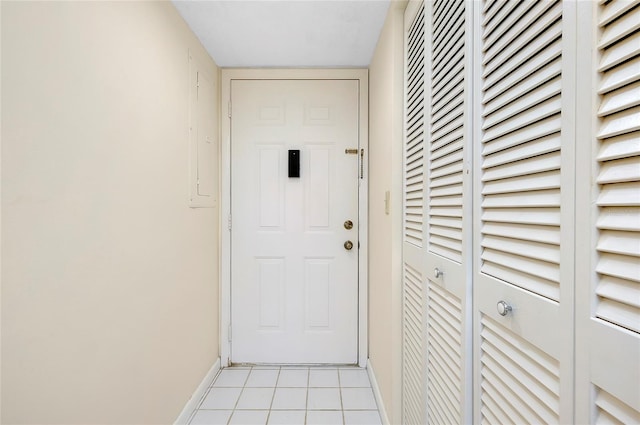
414,293
614,328
448,210
524,212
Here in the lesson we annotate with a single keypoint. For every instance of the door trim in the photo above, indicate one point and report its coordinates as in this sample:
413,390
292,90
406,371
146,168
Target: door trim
361,75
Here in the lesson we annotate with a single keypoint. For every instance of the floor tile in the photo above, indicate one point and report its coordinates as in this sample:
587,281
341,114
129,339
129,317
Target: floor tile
293,378
255,398
324,399
232,378
323,378
211,417
262,378
358,399
324,417
354,378
249,417
221,398
362,417
279,395
290,399
287,417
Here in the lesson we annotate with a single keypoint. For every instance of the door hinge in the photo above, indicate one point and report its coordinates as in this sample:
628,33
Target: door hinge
229,222
229,334
361,163
229,109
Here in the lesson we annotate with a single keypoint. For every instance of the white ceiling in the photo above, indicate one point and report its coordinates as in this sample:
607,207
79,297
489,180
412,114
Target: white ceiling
287,33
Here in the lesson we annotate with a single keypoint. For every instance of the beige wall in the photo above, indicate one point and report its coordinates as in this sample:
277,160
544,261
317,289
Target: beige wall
109,280
385,145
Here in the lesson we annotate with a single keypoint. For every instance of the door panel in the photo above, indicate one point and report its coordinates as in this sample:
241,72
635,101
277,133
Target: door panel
448,225
294,285
413,276
613,324
524,215
437,221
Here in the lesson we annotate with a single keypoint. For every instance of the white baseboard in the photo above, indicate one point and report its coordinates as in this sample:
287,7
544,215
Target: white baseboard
200,392
376,393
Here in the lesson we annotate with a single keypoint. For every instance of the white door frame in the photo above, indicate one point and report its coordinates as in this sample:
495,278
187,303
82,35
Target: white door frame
361,75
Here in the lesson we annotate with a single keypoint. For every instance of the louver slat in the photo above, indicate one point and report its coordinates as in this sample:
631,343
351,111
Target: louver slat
610,410
444,369
413,349
495,13
536,37
507,30
625,49
618,266
447,122
413,290
414,143
520,382
521,153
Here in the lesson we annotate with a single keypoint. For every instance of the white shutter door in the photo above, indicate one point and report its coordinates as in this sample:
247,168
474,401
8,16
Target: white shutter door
615,323
414,294
448,210
524,209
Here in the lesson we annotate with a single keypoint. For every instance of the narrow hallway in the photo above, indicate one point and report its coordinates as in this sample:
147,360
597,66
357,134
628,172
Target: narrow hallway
288,395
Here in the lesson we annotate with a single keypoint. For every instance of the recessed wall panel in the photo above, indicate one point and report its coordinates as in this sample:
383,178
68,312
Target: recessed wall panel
270,292
318,115
317,210
317,293
270,200
271,115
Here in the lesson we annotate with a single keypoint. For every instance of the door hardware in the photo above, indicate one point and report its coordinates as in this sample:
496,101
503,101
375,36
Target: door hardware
351,151
503,308
437,273
294,162
348,245
348,224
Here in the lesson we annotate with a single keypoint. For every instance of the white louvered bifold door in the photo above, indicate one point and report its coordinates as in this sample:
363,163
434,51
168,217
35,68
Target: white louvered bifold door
523,209
448,209
413,288
614,328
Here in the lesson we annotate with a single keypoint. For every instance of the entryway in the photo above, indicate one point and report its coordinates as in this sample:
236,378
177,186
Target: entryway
297,218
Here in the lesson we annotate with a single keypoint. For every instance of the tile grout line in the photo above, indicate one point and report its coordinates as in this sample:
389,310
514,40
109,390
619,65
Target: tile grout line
244,385
274,388
273,396
341,401
306,405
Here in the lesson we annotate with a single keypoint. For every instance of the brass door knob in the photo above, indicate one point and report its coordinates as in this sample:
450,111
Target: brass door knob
348,224
348,245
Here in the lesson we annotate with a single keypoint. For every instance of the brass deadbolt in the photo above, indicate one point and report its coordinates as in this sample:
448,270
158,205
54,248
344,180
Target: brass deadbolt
348,224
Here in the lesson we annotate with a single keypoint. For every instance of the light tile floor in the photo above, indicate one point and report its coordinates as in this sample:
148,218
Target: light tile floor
289,395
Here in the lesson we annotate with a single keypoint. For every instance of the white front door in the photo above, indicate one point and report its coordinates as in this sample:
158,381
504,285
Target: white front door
294,277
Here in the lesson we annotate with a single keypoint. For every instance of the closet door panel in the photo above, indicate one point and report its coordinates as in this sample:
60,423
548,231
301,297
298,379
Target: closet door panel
523,278
414,295
614,323
448,210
